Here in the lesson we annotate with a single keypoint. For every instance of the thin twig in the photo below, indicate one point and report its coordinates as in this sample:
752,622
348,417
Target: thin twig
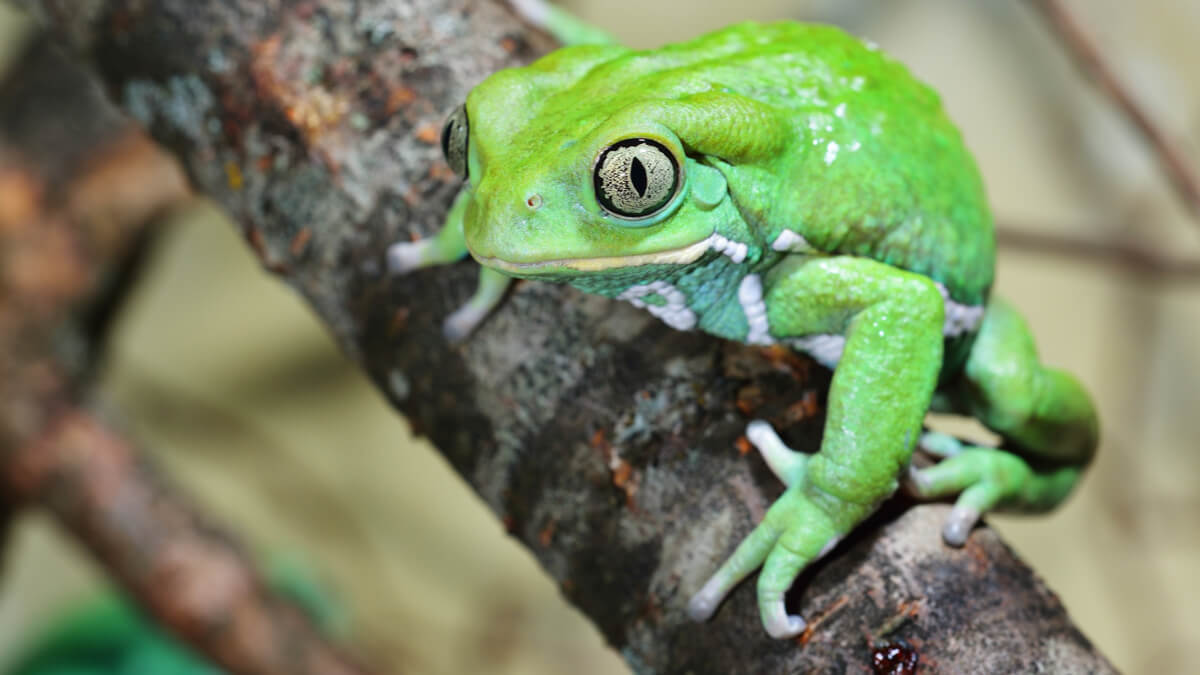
1134,259
1083,49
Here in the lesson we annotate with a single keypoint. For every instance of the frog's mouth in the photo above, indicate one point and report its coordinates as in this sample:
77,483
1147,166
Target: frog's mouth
675,256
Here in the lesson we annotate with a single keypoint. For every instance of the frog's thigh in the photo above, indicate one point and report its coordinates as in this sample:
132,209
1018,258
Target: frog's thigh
881,388
1042,413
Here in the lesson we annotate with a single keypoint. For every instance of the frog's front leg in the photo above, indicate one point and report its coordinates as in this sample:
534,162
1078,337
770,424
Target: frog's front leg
892,323
447,246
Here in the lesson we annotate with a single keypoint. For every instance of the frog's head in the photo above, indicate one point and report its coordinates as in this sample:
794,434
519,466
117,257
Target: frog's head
569,173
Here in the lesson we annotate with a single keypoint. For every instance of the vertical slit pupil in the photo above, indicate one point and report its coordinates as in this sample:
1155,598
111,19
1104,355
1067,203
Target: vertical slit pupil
637,175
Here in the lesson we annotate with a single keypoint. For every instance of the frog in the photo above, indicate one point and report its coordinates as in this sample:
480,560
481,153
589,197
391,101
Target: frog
785,184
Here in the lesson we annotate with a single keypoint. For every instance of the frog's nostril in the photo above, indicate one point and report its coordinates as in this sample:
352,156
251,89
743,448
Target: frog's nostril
534,201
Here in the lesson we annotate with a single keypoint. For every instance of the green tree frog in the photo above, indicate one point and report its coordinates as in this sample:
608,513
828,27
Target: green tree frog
775,183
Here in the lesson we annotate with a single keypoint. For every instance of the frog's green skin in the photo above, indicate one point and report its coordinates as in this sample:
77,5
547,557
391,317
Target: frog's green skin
825,202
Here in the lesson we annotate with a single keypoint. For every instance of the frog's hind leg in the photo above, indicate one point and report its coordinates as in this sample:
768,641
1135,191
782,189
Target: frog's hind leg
1044,415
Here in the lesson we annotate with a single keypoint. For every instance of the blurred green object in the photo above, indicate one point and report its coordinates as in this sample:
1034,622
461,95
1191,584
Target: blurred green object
109,636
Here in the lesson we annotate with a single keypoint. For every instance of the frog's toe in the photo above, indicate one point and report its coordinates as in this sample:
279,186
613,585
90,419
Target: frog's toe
781,625
787,464
779,572
808,533
704,603
959,524
463,321
406,256
939,444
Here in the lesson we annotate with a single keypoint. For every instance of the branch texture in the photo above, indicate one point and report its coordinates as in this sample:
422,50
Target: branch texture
607,443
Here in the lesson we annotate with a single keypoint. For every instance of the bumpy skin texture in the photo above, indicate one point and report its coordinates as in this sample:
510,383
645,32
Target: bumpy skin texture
816,196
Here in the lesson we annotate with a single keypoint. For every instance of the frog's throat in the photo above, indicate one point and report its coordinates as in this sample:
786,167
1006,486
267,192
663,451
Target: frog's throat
675,256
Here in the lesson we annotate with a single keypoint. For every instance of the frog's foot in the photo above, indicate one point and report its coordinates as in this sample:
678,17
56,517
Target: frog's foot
981,477
794,532
984,478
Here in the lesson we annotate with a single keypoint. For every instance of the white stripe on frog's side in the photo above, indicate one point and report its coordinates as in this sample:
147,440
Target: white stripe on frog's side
792,242
960,319
735,250
825,348
750,296
675,313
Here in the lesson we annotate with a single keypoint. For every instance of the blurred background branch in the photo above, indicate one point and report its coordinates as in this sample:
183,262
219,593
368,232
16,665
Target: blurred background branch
1091,60
80,188
1136,260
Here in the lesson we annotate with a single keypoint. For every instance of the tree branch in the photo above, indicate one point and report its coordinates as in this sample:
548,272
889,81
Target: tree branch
606,442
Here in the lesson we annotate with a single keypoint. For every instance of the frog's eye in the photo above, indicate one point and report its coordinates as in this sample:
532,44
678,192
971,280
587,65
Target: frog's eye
635,178
455,136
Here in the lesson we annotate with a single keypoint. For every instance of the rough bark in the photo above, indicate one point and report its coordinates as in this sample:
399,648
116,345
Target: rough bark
609,444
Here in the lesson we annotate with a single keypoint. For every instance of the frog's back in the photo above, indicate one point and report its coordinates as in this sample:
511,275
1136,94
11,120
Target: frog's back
875,168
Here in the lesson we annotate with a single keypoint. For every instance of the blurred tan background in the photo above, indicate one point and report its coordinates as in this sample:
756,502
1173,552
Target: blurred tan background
225,373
